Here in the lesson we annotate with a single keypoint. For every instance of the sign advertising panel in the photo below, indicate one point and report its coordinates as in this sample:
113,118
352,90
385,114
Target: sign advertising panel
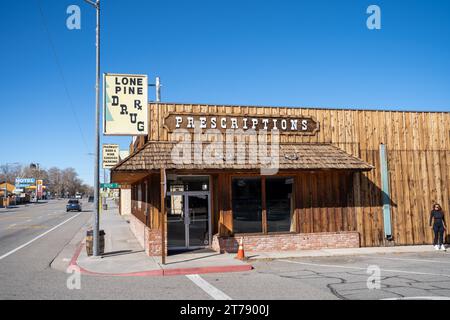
25,181
39,187
110,155
125,105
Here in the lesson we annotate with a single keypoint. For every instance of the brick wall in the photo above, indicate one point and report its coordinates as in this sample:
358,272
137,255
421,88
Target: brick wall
288,242
149,239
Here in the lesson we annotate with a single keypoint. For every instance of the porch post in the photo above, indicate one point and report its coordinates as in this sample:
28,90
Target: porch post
163,215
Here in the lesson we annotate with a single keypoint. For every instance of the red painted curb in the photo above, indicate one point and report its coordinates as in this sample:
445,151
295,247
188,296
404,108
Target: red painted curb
161,272
203,270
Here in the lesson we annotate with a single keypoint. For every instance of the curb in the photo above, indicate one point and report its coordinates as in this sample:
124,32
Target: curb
158,273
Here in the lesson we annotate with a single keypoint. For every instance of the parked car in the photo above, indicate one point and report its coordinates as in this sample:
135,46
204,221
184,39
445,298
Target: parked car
73,205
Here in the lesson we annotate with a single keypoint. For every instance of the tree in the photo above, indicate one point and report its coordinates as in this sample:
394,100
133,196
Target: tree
9,172
56,180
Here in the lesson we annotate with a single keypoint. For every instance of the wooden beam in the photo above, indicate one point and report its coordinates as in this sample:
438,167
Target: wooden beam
163,215
264,204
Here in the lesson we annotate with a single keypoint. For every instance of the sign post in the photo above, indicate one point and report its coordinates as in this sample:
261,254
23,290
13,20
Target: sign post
96,228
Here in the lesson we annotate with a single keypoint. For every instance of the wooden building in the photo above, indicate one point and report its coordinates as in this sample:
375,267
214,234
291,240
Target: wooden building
343,178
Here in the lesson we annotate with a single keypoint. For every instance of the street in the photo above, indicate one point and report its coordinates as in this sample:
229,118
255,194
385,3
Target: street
46,228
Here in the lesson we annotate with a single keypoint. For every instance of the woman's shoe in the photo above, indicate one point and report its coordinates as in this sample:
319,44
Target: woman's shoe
436,247
443,248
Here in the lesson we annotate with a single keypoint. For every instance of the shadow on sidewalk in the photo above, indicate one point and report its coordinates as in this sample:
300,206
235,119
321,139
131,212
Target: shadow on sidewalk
120,253
186,258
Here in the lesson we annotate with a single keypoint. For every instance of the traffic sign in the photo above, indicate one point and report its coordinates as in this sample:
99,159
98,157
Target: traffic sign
110,186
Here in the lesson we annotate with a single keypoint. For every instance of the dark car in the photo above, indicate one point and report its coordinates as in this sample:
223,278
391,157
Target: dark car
73,205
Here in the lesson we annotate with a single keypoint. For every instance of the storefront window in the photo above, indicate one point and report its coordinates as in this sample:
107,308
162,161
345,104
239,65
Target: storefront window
247,208
187,183
279,204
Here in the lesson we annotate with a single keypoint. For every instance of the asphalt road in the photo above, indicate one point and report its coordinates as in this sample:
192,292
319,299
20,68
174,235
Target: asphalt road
25,271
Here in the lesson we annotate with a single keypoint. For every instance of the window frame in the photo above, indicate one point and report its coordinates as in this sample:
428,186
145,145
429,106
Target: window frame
264,202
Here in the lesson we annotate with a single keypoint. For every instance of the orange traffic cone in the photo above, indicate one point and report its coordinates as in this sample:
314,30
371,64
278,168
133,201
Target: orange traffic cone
241,254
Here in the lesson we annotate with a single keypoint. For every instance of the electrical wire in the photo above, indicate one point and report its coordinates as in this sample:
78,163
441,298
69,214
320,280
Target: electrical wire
61,72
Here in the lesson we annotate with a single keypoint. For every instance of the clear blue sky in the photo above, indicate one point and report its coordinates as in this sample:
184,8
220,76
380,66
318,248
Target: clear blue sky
298,53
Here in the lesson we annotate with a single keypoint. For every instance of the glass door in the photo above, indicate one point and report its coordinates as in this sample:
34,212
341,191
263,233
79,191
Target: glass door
176,221
198,220
188,220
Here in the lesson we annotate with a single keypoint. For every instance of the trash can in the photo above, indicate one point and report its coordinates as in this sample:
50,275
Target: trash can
90,242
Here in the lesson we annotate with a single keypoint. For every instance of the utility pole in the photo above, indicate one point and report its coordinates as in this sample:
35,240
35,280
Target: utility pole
96,228
158,86
158,90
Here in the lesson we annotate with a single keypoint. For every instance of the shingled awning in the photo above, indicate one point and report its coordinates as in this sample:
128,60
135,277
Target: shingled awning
156,155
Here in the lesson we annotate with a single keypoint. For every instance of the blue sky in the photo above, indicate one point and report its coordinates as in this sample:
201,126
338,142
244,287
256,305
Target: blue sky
296,53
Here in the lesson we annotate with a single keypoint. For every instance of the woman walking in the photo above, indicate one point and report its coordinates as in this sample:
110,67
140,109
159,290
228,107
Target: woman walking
439,226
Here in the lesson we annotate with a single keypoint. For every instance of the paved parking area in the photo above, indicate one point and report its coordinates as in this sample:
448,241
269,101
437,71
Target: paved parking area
421,275
28,251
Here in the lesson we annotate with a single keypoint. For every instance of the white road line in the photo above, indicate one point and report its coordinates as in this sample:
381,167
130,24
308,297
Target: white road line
37,238
404,259
360,268
215,293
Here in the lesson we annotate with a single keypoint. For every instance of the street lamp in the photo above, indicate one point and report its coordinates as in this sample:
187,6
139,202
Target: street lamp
96,228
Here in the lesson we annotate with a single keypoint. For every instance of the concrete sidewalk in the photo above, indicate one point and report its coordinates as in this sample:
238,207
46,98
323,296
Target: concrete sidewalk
337,252
124,256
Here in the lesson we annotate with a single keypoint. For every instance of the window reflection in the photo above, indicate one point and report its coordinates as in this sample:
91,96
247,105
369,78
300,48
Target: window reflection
247,211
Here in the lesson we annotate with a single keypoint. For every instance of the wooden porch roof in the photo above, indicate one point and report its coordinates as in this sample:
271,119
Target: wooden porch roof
155,155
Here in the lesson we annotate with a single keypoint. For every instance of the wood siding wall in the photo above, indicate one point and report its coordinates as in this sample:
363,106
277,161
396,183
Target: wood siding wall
418,147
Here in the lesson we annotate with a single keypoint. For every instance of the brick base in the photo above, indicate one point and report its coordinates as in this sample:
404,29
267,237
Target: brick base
287,242
149,239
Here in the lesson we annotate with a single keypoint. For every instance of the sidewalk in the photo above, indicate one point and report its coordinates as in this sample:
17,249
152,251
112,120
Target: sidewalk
337,252
124,256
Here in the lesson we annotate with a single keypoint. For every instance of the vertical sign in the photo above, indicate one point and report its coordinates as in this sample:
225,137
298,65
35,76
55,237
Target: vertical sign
110,155
125,105
39,190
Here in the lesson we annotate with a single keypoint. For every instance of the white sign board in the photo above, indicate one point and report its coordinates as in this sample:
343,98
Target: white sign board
110,155
125,105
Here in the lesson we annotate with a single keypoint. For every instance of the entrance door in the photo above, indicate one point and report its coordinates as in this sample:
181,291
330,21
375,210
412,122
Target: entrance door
188,220
198,226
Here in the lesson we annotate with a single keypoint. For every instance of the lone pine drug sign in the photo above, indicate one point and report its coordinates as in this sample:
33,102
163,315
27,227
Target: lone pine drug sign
125,105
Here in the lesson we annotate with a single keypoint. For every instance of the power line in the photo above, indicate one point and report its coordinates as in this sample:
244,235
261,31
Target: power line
61,72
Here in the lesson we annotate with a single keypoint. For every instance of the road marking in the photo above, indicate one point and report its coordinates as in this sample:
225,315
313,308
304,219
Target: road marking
404,259
215,293
37,238
365,269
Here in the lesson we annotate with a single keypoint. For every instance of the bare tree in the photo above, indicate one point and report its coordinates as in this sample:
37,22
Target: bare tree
9,172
